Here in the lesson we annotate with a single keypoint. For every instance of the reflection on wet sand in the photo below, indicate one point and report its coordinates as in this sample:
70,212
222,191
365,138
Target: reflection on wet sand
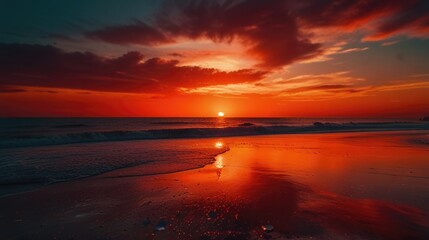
311,186
250,199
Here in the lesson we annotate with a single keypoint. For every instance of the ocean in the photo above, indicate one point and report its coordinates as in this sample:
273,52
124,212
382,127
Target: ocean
28,132
39,151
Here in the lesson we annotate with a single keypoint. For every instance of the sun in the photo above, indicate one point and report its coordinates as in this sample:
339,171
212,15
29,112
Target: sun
220,114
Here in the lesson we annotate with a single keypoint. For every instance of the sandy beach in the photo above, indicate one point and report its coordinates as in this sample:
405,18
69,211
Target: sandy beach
305,186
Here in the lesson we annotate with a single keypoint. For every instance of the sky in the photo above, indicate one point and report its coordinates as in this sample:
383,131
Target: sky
194,58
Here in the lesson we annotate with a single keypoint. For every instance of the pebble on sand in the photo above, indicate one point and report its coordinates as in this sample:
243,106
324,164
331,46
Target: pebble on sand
161,225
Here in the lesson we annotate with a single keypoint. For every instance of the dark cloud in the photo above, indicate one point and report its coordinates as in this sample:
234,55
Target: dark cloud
48,66
272,30
266,27
387,17
272,21
413,18
176,55
136,33
344,13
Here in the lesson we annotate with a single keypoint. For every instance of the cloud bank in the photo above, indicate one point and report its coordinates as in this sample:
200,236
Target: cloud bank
48,66
275,32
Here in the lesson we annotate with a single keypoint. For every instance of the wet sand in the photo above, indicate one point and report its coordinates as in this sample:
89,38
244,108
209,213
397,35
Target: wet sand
307,186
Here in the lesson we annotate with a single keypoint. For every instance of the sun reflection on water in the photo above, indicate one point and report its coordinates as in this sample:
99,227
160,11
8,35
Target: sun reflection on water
219,162
219,145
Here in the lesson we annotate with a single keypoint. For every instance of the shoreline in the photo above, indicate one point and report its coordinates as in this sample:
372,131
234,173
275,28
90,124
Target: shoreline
203,133
115,173
30,185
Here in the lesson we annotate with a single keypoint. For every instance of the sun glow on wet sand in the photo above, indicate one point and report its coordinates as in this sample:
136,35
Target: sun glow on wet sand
220,114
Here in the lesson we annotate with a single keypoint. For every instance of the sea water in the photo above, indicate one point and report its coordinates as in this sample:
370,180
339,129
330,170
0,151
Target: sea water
39,151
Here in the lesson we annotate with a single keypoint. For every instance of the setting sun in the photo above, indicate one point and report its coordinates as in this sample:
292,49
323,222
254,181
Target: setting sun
220,114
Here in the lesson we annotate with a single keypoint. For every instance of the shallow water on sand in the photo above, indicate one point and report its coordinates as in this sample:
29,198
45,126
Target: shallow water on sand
307,186
23,169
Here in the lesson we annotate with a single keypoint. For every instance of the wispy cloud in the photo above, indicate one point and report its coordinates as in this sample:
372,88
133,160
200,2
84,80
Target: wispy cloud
349,50
306,87
421,75
329,52
278,87
390,43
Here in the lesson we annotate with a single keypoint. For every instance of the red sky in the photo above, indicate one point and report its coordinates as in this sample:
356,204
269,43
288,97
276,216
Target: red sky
194,58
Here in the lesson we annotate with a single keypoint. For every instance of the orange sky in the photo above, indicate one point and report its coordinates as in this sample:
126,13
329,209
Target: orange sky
246,58
401,103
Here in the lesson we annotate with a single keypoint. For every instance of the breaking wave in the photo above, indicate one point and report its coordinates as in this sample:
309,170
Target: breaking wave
244,130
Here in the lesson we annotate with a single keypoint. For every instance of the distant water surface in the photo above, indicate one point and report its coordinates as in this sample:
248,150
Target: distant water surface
24,132
38,151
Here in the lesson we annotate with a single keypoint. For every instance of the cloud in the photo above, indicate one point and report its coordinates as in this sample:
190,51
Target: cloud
274,32
380,18
420,75
177,55
339,81
389,43
48,66
353,50
337,48
412,19
270,33
305,87
345,14
136,33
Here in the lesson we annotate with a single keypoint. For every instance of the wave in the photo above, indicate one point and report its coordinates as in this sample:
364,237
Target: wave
423,141
27,169
172,123
244,130
71,126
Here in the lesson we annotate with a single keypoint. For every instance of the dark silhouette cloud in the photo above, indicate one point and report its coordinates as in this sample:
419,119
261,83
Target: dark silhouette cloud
176,55
48,66
276,32
344,13
387,16
413,19
266,27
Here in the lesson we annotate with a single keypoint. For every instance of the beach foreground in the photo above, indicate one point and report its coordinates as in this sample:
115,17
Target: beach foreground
306,186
